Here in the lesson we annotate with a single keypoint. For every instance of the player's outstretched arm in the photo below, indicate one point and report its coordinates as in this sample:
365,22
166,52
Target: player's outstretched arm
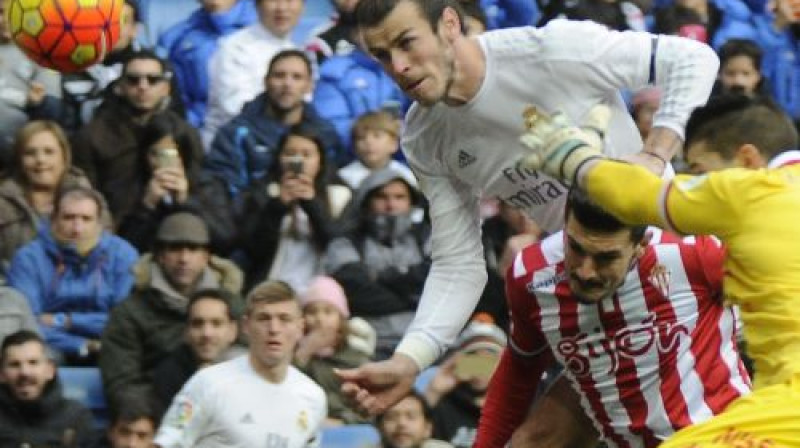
510,394
375,386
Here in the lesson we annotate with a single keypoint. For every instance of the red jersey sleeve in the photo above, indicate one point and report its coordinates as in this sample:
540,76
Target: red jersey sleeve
516,380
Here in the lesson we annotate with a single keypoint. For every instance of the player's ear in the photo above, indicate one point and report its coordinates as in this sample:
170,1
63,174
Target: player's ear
748,156
450,24
643,243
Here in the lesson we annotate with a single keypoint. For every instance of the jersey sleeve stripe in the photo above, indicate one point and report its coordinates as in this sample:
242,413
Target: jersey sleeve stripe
664,211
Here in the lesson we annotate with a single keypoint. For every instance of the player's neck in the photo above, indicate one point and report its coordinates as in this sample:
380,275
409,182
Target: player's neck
273,374
469,70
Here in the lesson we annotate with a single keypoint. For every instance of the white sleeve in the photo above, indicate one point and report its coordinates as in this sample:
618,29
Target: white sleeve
685,70
187,418
458,272
229,79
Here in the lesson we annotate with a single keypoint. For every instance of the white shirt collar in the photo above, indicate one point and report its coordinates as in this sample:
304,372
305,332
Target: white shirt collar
785,158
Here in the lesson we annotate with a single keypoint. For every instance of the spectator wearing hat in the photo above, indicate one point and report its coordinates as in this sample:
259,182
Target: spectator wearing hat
73,274
151,323
332,340
457,391
210,336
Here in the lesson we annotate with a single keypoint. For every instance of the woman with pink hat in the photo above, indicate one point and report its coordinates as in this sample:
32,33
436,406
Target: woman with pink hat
333,340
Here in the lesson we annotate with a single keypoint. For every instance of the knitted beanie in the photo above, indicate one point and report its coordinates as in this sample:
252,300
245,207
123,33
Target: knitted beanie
326,289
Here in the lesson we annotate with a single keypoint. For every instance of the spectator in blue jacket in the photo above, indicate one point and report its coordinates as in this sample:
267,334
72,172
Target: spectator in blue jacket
190,44
244,149
73,273
778,34
351,85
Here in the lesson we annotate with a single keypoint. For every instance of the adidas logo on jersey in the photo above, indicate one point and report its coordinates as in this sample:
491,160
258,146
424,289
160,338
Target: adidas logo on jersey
465,159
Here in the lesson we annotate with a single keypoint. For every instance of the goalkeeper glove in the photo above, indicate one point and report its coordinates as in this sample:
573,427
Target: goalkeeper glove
557,146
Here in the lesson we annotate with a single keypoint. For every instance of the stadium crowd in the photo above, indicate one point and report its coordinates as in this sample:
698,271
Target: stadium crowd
217,218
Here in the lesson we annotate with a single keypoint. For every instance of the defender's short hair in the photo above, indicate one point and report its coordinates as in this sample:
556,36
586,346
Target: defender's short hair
729,121
583,209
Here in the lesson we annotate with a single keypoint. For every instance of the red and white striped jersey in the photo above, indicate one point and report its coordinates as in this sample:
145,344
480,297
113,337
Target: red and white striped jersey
657,356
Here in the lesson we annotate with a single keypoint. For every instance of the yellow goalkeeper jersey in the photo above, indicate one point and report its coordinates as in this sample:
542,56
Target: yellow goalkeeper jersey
757,215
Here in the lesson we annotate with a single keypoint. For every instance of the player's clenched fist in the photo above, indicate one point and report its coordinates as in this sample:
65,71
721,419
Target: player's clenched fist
558,147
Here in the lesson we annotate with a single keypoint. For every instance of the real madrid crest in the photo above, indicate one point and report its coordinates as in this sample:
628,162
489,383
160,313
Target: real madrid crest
302,420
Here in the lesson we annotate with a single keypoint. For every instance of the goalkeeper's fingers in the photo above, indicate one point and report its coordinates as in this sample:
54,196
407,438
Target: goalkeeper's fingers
595,125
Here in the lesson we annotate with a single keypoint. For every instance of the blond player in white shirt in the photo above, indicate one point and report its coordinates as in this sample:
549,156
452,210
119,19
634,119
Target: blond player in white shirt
461,138
254,400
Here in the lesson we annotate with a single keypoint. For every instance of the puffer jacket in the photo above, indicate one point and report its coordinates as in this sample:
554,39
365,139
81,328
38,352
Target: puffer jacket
145,328
245,148
56,279
781,63
189,46
351,85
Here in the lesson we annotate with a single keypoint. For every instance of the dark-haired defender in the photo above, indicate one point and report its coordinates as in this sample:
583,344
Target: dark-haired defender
637,320
754,208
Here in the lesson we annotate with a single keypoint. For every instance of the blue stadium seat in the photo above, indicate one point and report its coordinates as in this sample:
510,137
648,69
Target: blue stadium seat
84,385
350,436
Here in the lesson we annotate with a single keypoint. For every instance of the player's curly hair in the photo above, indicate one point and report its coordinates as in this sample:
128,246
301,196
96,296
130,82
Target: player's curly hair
729,121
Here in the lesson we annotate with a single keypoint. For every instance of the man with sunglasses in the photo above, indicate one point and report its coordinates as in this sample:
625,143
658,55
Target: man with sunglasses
108,148
144,329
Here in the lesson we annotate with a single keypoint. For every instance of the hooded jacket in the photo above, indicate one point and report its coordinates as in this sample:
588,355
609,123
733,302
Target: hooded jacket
150,324
55,278
51,421
381,268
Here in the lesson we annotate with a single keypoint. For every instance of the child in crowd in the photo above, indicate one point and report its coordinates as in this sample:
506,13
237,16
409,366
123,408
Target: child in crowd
332,341
376,138
740,69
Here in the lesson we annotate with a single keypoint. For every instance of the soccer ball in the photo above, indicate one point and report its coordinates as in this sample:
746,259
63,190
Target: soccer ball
65,35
